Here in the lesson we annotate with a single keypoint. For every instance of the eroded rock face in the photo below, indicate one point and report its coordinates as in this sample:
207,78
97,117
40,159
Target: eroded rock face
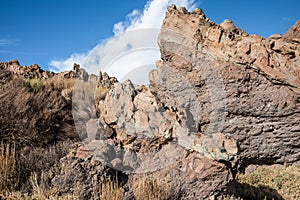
293,34
276,57
219,100
82,177
243,86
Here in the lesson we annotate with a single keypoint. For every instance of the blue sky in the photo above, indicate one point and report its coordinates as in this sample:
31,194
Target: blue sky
42,31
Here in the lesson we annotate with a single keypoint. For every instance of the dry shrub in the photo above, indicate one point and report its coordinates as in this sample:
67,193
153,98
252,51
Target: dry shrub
41,191
59,83
109,190
100,93
36,160
149,189
8,167
39,159
284,180
56,83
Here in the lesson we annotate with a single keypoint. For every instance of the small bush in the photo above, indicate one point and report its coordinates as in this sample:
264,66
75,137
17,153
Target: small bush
37,160
35,84
34,162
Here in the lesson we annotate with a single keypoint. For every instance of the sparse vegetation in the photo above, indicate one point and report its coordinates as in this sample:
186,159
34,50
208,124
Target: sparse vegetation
23,170
35,84
109,190
56,83
149,188
100,93
8,167
264,183
39,160
59,83
275,182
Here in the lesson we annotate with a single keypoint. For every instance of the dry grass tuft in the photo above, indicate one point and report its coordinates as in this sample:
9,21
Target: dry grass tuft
59,83
100,93
8,167
109,190
41,190
148,189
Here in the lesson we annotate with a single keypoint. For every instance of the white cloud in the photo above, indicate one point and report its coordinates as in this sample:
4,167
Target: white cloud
118,28
5,41
133,46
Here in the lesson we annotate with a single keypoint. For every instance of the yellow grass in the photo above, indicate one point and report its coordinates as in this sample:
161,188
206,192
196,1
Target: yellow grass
55,83
100,93
108,190
59,83
149,188
284,180
8,166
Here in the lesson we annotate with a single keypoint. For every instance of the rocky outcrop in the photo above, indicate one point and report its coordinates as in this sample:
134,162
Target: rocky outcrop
36,72
244,86
219,100
82,177
293,34
276,57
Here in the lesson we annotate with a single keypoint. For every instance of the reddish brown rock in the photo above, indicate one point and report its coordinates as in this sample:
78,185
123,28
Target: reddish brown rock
293,33
247,86
228,97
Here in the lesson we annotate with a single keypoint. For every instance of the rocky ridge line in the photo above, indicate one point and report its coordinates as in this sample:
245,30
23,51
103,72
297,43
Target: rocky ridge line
276,57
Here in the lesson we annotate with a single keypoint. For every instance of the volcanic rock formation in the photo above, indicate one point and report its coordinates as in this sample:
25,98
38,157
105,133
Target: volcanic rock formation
219,100
246,85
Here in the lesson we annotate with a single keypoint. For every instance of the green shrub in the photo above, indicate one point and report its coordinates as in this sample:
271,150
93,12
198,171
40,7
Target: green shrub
35,84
